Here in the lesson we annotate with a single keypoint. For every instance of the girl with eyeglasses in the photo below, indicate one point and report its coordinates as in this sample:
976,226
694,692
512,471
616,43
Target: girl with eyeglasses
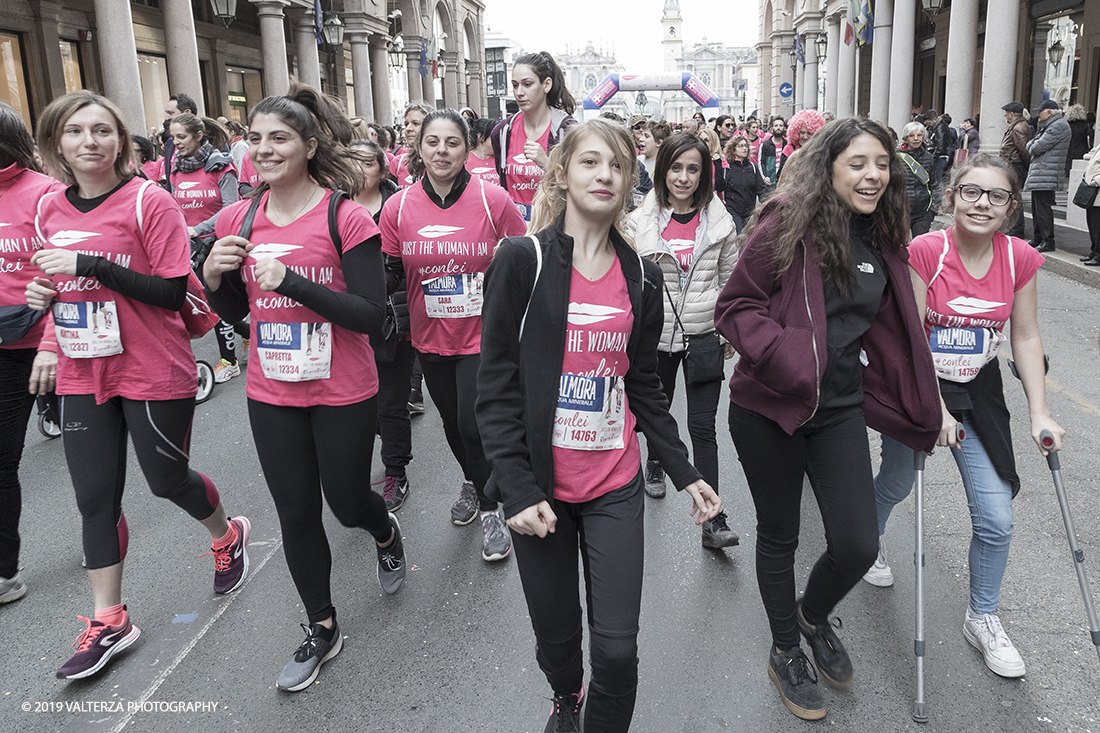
970,280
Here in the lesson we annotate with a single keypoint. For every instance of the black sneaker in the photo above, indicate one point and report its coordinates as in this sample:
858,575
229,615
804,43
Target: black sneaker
416,402
465,507
391,561
829,654
793,675
654,480
717,534
395,491
566,716
304,666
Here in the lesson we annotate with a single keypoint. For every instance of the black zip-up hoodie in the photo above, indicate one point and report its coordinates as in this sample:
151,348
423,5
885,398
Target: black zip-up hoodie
518,381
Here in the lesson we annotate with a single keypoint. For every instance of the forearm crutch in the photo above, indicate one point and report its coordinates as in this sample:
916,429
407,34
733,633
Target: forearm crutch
1047,441
919,714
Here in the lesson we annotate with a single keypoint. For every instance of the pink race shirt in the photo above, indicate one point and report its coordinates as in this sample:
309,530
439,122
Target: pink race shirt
20,190
198,194
399,169
152,169
681,240
445,253
594,444
249,175
483,168
305,247
155,361
522,175
965,316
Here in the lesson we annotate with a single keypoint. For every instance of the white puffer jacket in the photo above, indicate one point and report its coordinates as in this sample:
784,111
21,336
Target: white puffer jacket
715,254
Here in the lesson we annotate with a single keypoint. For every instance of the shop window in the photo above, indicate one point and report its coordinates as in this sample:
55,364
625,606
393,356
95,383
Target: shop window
245,87
13,85
153,71
72,66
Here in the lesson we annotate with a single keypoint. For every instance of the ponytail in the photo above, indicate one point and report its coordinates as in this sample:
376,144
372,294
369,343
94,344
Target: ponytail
317,116
547,68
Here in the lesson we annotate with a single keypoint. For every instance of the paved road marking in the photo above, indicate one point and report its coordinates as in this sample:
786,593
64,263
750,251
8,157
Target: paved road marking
152,688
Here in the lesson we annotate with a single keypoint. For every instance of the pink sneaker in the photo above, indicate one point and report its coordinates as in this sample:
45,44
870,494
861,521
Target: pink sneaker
96,645
231,562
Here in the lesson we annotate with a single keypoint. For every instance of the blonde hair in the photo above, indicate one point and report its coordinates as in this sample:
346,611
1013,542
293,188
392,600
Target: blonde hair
712,142
550,199
54,117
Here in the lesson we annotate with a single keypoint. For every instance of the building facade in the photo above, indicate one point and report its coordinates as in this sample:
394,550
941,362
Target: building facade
500,53
584,70
965,57
140,52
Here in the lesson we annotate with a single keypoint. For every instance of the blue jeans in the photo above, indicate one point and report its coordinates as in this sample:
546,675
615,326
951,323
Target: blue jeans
990,500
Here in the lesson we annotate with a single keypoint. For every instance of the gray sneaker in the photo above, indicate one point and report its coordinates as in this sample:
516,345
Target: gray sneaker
717,534
498,540
793,675
391,561
465,509
304,666
654,480
12,589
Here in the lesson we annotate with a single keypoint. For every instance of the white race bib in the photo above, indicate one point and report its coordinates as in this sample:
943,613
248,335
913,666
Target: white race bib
453,296
87,330
960,353
591,413
294,352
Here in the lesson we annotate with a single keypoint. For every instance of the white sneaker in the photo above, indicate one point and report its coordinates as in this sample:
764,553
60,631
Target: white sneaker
12,589
985,633
880,574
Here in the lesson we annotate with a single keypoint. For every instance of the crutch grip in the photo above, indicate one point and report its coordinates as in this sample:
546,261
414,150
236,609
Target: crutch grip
1046,439
960,432
919,457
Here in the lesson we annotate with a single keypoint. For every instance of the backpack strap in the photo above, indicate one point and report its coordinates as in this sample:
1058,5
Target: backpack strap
488,213
538,271
943,256
401,206
140,197
333,226
246,224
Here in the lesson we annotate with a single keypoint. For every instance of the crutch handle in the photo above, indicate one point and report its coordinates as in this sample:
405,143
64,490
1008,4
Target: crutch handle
960,432
1046,439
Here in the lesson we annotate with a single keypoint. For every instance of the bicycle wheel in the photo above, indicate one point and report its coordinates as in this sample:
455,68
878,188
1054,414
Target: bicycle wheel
206,381
48,427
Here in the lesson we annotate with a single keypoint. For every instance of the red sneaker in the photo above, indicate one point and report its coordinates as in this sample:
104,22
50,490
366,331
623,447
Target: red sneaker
95,647
231,562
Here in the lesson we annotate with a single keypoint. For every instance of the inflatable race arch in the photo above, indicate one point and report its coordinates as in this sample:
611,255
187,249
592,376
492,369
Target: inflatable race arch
684,81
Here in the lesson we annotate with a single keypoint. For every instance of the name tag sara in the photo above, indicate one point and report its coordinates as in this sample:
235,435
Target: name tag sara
294,352
591,413
960,353
453,296
87,330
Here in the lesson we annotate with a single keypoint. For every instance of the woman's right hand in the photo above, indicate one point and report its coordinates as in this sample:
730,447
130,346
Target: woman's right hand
538,519
948,437
227,254
40,293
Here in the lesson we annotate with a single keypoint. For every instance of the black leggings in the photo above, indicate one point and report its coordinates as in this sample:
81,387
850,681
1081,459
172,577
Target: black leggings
15,410
394,423
94,437
702,410
452,382
227,339
832,450
609,534
304,451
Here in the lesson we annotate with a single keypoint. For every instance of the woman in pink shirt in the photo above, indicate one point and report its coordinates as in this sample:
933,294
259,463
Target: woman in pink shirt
115,262
399,164
440,235
572,320
28,362
307,267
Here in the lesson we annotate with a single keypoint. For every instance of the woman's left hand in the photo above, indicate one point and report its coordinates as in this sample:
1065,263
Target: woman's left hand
707,504
534,152
1039,424
728,351
269,273
55,262
43,373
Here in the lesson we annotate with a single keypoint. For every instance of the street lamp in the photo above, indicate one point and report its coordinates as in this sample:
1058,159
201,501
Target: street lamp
821,45
1055,52
333,29
225,11
397,53
931,8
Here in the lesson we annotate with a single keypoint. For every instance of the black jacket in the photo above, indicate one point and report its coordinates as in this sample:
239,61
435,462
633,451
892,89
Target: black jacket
920,194
518,381
744,185
397,300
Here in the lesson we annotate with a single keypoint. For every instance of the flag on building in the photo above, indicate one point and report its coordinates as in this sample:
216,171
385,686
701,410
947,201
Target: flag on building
866,25
800,51
849,34
318,22
423,58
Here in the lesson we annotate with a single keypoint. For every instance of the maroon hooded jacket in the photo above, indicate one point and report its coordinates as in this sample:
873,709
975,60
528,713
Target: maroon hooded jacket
777,326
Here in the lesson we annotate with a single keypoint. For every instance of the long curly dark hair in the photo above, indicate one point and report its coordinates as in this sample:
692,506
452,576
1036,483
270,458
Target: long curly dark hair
807,203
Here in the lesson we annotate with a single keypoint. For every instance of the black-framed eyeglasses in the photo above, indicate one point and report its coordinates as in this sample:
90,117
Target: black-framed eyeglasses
997,196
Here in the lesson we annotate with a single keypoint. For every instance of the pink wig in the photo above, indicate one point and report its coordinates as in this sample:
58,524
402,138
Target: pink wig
807,119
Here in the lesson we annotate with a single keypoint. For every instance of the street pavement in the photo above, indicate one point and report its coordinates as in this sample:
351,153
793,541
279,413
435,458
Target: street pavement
453,650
